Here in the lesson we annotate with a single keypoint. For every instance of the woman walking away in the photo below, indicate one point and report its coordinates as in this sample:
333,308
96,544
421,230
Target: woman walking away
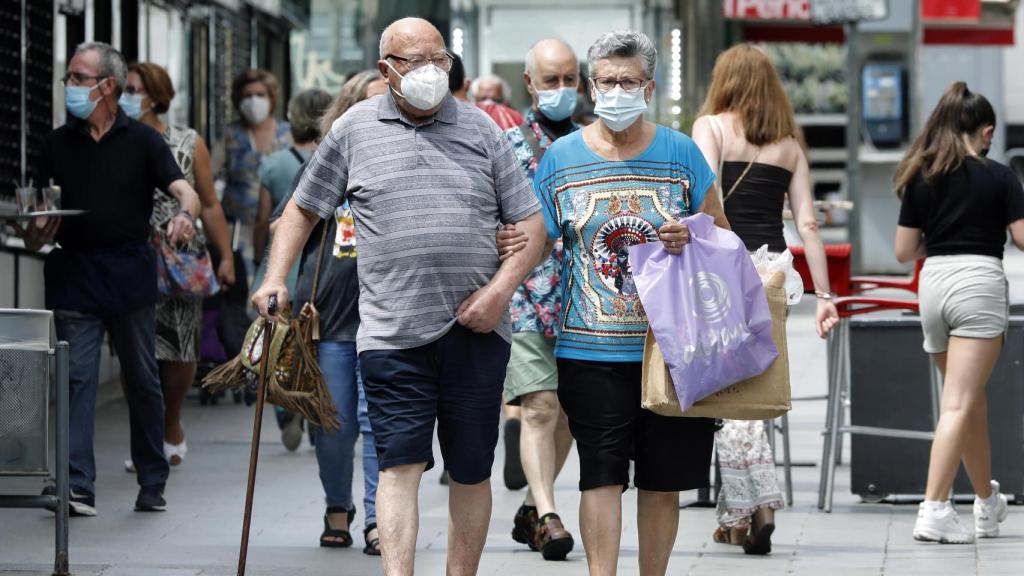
747,131
337,300
956,208
148,94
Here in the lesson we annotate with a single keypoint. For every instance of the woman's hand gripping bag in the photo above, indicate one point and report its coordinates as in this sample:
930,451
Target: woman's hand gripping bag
707,310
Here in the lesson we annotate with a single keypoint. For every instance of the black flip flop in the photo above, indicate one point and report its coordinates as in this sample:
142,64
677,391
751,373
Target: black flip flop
340,538
372,547
759,543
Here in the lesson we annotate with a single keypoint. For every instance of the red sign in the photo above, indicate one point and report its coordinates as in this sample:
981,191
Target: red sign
946,10
766,9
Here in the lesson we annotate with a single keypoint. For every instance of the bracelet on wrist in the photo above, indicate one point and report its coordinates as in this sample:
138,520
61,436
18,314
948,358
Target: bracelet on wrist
828,296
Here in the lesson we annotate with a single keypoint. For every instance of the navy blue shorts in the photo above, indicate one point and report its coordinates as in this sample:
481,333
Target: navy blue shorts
456,380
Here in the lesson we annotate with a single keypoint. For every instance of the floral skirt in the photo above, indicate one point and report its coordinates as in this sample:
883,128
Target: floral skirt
747,471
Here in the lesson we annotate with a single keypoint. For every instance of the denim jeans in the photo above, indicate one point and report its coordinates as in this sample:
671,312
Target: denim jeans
335,452
133,334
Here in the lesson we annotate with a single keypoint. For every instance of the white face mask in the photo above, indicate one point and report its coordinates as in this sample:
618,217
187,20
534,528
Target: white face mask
620,109
255,109
423,88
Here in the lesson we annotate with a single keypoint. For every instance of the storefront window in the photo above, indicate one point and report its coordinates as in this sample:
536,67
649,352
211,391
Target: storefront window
335,45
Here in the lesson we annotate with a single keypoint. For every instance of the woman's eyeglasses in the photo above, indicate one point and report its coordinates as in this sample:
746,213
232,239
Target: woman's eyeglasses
605,84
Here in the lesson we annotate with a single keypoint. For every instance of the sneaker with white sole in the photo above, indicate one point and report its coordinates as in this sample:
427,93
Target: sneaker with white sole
80,503
941,526
987,518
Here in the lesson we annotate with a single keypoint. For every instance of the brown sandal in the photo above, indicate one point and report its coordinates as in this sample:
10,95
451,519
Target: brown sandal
734,536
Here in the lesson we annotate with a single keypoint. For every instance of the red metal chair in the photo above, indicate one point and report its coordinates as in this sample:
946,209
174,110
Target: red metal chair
861,284
838,257
839,388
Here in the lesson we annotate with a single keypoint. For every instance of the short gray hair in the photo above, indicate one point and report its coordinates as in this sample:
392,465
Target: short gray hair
112,62
474,86
304,112
624,44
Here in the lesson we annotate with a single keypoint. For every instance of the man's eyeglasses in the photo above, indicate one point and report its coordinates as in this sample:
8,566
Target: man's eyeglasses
444,61
76,79
605,84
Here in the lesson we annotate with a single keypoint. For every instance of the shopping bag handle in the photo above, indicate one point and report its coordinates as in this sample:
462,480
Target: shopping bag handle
701,225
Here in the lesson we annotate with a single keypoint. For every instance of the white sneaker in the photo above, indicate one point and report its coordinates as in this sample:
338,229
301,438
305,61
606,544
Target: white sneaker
987,518
941,526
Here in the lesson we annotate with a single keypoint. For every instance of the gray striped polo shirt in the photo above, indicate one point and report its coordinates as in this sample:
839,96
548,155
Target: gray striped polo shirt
426,200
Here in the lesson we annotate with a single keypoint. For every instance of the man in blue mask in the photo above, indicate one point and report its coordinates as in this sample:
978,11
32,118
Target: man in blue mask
551,77
101,274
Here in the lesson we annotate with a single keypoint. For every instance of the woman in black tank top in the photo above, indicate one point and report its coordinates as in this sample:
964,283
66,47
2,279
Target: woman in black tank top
747,130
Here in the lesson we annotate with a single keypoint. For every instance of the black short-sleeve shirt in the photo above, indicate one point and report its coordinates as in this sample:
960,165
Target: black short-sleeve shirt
966,211
105,262
113,179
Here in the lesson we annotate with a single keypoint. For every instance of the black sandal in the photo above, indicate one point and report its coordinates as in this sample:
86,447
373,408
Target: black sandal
759,541
372,547
339,538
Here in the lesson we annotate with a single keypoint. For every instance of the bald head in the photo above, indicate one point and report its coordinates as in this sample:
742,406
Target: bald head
404,45
410,32
550,65
549,50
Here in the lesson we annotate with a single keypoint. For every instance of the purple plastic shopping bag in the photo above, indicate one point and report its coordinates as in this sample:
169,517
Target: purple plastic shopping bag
707,310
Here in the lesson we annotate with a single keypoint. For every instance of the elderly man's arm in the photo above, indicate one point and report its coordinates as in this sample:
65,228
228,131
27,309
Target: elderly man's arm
482,311
294,227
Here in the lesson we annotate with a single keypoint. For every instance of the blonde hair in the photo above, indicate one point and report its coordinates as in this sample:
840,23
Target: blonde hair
940,148
746,83
352,92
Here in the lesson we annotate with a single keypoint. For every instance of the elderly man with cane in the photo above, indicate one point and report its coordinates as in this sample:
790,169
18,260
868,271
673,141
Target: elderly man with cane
428,179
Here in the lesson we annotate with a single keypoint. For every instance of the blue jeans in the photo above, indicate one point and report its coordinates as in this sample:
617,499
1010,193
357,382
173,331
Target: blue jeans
133,334
335,452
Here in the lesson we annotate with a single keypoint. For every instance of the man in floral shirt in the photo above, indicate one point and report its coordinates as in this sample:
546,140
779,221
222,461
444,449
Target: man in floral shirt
551,76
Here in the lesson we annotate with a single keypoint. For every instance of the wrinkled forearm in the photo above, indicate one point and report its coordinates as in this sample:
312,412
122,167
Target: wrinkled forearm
514,270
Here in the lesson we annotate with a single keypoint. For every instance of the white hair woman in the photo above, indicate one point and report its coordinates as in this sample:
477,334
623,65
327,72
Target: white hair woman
621,181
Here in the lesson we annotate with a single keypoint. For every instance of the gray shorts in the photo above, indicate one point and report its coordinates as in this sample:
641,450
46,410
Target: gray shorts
965,296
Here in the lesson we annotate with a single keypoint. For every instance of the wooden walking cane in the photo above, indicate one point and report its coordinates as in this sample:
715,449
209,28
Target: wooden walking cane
257,426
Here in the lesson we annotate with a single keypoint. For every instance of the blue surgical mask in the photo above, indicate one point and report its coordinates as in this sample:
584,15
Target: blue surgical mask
131,104
620,109
556,104
76,99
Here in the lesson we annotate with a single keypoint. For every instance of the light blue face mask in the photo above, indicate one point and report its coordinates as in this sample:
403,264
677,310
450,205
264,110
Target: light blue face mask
556,104
131,104
76,99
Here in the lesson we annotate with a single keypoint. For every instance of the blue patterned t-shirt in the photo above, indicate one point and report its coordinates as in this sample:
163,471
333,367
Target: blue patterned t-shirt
599,208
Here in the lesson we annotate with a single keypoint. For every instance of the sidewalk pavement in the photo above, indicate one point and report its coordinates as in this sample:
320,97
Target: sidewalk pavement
199,534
